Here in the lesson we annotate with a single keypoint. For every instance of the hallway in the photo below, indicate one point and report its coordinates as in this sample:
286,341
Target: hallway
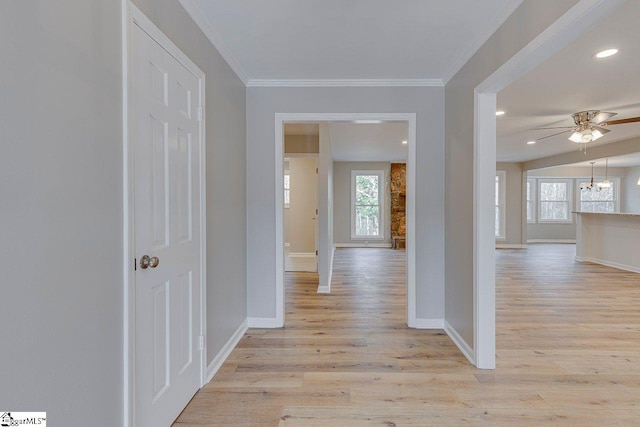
568,352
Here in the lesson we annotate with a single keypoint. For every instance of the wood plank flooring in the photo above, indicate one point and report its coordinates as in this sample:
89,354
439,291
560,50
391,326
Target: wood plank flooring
568,352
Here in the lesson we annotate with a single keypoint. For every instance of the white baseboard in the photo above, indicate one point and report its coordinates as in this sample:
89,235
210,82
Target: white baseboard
226,350
510,246
302,255
263,322
325,289
426,323
567,241
362,245
619,266
461,343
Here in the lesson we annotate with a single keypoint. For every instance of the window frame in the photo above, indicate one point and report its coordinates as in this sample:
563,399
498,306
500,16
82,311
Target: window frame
381,209
533,191
568,201
502,204
616,193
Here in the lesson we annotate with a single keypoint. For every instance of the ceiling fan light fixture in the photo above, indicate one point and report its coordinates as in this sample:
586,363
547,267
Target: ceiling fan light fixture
606,53
576,137
596,134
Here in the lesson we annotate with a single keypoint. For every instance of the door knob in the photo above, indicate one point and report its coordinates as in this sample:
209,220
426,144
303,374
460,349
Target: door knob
146,261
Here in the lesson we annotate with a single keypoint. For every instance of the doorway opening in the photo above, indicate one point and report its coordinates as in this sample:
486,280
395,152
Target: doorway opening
364,223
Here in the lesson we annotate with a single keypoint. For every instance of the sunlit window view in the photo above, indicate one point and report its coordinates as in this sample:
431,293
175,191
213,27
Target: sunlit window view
367,205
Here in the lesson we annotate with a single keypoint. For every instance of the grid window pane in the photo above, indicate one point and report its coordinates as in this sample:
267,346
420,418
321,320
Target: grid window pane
367,209
554,211
497,221
600,207
367,220
553,191
529,211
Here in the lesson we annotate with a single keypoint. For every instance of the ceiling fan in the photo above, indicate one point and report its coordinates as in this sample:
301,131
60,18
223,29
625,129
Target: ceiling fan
589,126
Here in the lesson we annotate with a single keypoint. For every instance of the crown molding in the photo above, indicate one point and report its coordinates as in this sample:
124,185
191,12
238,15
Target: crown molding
482,38
345,83
200,18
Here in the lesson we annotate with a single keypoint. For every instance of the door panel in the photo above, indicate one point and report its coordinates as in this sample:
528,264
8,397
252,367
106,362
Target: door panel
166,137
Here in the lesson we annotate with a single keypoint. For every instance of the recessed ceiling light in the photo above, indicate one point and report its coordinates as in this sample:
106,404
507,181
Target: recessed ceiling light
404,142
531,142
606,53
499,113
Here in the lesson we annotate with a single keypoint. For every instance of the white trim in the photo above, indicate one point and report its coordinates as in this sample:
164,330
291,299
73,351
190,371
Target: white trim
131,15
533,191
327,288
559,241
301,155
280,119
127,224
466,350
225,351
344,82
427,324
362,245
263,323
578,20
498,19
484,232
301,254
609,264
200,18
510,246
381,193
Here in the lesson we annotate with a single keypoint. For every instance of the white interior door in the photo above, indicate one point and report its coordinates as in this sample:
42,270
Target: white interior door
166,136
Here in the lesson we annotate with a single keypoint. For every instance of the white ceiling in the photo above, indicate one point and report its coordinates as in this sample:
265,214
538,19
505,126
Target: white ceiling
571,81
369,142
348,39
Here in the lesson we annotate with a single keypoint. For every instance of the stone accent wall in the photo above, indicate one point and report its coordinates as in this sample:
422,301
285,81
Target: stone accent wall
398,200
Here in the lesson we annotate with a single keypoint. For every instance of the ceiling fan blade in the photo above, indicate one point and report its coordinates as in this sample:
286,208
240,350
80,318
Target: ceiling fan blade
622,121
602,116
555,134
601,129
555,127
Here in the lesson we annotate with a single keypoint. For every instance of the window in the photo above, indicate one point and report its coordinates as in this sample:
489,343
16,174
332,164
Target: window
366,204
287,188
531,200
605,200
554,200
501,181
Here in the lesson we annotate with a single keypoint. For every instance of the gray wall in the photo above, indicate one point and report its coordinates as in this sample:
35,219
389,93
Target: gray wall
61,219
61,210
632,190
226,171
342,200
529,20
515,228
263,103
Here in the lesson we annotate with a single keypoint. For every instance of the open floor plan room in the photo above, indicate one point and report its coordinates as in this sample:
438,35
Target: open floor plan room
568,352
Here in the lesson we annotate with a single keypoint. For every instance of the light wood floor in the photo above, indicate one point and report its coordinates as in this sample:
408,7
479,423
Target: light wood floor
568,352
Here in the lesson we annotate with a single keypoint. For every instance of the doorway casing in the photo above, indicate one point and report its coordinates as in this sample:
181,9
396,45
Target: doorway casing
131,15
280,120
577,21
